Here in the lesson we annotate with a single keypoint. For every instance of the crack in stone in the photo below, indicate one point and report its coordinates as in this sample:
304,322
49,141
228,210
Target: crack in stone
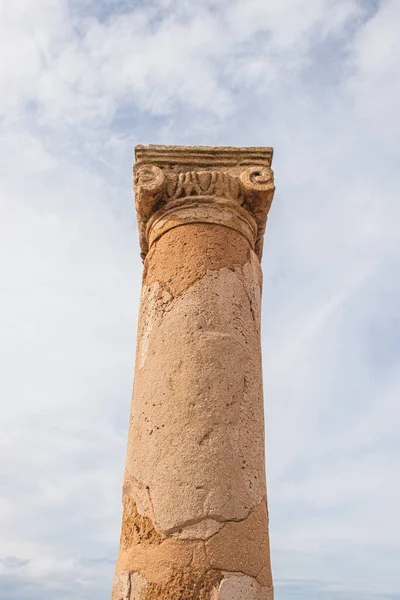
212,517
196,521
131,479
129,490
206,436
238,573
253,315
151,505
128,589
137,529
260,571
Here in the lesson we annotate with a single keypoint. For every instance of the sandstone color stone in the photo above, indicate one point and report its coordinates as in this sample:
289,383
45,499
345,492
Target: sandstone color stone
195,522
239,587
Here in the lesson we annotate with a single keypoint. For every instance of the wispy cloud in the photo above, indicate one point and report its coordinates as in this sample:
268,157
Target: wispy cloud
82,82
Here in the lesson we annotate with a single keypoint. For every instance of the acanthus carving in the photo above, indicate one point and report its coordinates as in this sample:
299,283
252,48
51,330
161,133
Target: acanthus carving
202,183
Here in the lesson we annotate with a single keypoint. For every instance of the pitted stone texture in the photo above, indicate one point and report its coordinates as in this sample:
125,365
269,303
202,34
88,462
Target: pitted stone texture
198,440
183,255
195,518
136,528
186,584
239,546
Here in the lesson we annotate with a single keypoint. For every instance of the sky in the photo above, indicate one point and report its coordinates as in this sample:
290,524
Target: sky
82,82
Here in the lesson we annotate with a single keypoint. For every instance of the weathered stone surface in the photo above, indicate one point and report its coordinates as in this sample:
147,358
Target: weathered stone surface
128,586
243,547
136,528
176,185
239,587
197,443
203,247
195,523
186,584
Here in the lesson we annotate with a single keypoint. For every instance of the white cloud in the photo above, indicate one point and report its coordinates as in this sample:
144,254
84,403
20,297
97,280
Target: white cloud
82,83
375,83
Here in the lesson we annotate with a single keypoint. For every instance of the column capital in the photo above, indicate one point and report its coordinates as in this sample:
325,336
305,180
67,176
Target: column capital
178,185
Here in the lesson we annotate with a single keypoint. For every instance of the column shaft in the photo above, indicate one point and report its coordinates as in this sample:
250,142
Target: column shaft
195,520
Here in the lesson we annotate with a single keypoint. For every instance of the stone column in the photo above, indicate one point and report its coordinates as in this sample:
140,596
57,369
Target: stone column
195,520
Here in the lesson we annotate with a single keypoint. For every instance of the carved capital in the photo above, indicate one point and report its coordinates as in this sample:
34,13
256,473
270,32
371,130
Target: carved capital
177,185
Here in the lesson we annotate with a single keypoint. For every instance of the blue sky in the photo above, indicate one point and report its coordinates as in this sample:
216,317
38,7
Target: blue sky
82,83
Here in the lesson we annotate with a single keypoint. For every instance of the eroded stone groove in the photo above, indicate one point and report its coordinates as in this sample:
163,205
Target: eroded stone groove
195,519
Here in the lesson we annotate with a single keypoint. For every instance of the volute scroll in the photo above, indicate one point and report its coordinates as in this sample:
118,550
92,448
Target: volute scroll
201,177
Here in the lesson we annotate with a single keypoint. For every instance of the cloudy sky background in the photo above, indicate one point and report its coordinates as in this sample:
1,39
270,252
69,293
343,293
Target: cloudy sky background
82,82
